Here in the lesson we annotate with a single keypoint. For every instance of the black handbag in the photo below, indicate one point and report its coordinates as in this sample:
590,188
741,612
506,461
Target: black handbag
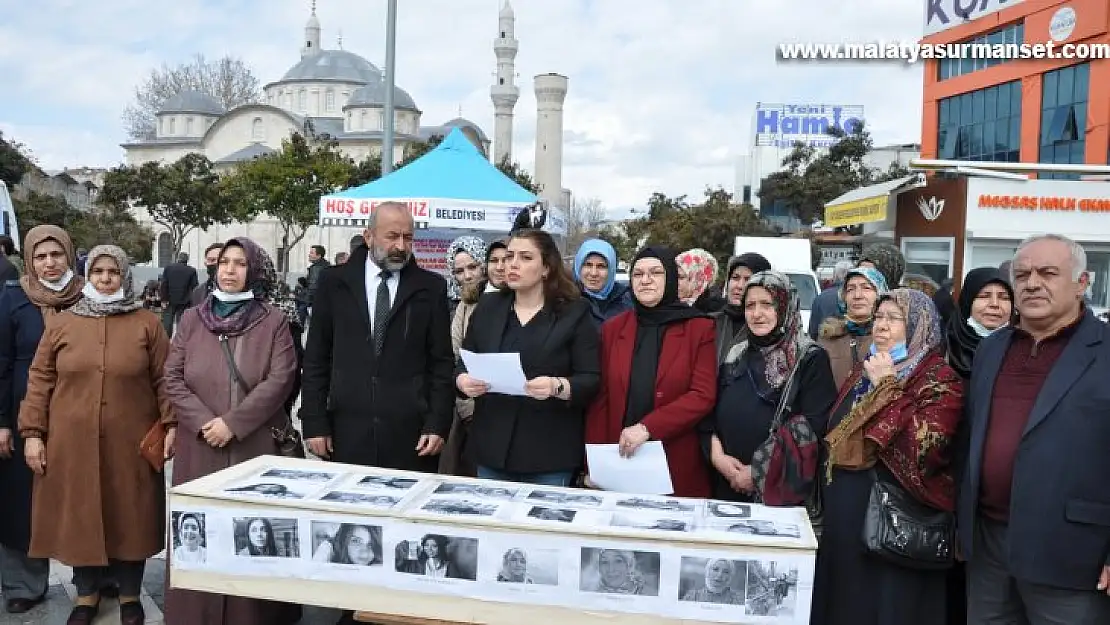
287,440
906,532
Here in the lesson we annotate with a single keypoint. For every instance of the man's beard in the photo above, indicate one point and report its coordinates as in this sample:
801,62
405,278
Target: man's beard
393,261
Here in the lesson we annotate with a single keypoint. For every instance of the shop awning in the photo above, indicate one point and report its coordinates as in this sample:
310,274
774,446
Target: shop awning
867,204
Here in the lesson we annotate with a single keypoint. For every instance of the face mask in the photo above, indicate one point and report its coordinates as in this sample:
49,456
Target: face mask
228,298
898,353
981,329
61,284
91,293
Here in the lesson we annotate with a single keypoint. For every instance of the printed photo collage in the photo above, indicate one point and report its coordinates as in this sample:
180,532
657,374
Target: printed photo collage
438,496
715,583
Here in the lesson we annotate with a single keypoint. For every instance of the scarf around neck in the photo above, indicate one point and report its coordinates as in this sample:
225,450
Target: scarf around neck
125,300
604,250
922,327
261,281
787,344
47,299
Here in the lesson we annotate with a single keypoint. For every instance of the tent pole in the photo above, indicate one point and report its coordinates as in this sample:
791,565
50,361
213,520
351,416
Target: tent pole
390,70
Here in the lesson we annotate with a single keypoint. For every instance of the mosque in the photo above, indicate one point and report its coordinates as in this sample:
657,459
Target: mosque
342,95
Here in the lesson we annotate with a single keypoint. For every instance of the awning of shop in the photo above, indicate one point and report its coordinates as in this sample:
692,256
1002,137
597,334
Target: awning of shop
867,204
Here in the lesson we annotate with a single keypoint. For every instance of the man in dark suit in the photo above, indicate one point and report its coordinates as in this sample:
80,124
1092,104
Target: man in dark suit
378,387
1034,505
178,282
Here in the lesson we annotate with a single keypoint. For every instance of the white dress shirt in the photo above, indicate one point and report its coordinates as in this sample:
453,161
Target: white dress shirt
372,282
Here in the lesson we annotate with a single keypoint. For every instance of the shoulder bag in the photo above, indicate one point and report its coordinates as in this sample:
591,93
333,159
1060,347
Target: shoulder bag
903,531
287,440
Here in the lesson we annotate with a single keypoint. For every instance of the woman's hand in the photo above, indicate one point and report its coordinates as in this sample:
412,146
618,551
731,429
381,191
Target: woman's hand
471,387
171,438
743,481
878,366
35,452
216,433
541,387
631,438
736,473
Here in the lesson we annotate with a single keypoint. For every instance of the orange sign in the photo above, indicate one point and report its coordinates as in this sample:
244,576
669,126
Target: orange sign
1045,203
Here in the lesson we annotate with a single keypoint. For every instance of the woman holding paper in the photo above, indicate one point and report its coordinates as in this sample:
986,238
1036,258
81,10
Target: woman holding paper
659,374
536,437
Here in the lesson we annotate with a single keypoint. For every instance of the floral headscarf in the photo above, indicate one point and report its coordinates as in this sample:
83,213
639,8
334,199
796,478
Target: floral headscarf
48,300
860,327
131,302
922,327
787,343
702,269
261,280
471,245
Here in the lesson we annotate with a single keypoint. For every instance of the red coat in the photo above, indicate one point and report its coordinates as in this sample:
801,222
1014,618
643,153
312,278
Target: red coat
685,392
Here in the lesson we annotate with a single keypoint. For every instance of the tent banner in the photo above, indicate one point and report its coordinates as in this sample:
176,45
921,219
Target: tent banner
336,210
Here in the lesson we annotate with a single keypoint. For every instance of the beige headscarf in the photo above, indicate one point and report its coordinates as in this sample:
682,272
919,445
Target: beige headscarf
87,307
47,300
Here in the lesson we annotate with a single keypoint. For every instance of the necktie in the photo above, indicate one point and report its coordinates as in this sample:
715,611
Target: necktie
381,310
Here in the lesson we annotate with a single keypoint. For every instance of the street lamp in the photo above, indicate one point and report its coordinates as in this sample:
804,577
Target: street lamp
390,68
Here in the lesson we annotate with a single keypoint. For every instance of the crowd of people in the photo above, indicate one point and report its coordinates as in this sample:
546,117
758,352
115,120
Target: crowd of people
977,423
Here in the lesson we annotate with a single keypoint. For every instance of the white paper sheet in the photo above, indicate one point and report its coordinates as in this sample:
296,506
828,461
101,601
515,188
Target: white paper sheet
502,371
645,473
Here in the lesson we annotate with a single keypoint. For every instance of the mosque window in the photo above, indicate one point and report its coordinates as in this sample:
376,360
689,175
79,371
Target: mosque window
362,121
329,100
189,126
173,125
302,100
500,81
258,130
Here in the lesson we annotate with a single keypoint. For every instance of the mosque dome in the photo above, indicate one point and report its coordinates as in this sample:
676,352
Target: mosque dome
338,65
190,101
373,95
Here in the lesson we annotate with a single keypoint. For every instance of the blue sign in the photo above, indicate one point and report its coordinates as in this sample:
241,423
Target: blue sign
783,124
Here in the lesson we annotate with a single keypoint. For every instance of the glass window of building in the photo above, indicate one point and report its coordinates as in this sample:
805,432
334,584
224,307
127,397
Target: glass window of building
1064,94
973,59
983,125
929,256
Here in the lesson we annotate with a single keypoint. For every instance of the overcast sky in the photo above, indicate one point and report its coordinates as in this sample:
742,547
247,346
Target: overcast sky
661,97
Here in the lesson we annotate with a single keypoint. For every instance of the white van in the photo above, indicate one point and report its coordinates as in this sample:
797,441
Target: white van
791,257
8,224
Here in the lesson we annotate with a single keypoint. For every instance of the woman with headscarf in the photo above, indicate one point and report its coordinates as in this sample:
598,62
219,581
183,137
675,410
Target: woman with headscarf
847,338
697,273
720,574
730,319
895,423
887,259
48,287
617,573
226,421
96,388
514,567
466,264
752,379
658,374
595,270
496,265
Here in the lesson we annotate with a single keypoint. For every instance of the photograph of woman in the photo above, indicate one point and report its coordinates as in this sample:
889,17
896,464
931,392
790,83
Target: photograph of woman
347,543
436,556
256,538
514,568
619,572
189,543
713,580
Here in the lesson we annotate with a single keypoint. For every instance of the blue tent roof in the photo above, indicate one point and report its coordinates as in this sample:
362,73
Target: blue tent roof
455,170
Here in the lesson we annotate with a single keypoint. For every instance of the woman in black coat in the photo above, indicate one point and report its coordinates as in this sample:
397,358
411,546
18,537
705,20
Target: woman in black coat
537,437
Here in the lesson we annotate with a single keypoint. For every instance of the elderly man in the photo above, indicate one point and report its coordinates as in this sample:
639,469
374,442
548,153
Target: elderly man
378,388
827,304
1034,507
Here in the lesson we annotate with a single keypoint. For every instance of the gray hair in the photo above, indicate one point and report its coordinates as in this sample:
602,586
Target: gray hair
841,269
373,220
1078,254
183,257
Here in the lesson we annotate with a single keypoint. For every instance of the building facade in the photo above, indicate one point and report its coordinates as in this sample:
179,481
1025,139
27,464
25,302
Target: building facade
1046,110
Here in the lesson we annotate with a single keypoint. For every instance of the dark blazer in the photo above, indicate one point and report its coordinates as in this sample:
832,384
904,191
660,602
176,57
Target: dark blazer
685,392
178,282
375,408
521,434
1059,530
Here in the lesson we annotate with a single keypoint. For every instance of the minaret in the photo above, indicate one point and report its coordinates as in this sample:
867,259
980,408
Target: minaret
551,91
311,34
504,91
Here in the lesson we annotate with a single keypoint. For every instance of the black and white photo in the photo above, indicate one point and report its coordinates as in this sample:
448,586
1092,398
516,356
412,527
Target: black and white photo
772,588
727,510
362,499
439,556
666,523
267,490
476,490
264,537
543,513
713,580
387,482
566,499
460,507
648,503
620,572
763,527
190,545
347,543
297,475
522,565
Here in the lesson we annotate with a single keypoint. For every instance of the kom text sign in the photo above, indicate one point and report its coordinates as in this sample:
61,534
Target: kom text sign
940,15
782,125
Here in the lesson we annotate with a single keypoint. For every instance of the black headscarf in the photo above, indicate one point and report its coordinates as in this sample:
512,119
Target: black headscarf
961,339
651,323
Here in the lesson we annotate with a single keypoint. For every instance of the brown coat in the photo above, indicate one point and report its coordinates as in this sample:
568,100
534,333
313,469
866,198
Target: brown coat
200,387
451,459
845,350
95,388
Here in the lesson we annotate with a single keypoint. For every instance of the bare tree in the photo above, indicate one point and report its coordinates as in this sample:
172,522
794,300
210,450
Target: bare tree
227,79
584,220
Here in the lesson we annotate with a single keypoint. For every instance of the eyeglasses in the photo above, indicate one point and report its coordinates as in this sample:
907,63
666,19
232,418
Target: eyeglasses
890,318
654,274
